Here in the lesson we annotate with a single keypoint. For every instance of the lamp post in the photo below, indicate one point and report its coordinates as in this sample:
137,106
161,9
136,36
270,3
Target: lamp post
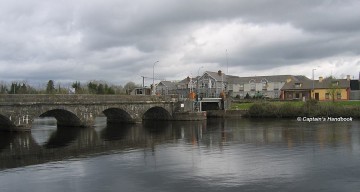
197,81
197,89
153,89
313,84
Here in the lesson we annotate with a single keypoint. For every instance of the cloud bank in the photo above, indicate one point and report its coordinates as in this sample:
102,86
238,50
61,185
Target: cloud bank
119,41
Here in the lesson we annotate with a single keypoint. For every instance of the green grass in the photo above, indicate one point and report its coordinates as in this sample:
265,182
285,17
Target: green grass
340,103
246,106
241,106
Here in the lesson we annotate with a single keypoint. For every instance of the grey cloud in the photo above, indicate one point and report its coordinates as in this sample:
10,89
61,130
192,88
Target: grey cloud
91,34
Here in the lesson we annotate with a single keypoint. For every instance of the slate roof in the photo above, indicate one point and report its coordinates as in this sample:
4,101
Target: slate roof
216,75
168,84
259,79
307,84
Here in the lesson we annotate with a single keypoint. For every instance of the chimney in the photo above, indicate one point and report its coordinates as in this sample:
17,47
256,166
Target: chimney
348,77
219,72
321,79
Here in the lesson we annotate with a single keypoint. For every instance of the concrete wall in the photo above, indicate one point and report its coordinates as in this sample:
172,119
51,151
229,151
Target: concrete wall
355,95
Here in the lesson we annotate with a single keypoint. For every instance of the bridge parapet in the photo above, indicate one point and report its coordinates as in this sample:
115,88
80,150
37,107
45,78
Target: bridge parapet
77,98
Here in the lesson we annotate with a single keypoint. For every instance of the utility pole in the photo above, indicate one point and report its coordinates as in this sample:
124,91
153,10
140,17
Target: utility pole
153,89
227,64
143,81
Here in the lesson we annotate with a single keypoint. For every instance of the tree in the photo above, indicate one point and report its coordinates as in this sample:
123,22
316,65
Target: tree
92,87
50,87
334,89
109,90
77,86
100,89
3,87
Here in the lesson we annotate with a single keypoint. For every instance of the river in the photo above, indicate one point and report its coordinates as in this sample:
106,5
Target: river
212,155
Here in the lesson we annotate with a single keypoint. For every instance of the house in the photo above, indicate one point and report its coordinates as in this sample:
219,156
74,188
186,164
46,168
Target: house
166,88
265,86
297,88
211,84
141,91
321,89
186,86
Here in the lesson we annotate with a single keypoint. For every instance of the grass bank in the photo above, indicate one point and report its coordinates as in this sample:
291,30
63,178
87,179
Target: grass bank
295,109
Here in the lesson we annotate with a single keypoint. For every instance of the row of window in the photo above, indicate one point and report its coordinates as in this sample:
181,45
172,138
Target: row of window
264,86
327,95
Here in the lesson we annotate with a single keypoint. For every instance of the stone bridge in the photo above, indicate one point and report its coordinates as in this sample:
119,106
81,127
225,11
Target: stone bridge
17,112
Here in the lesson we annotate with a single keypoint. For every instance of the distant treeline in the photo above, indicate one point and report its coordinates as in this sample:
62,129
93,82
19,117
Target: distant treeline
311,108
91,87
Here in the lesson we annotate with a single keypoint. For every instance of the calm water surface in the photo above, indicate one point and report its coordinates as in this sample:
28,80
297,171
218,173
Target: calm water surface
214,155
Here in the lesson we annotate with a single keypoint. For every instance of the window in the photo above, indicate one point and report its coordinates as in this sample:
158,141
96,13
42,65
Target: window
327,95
335,83
139,91
264,83
241,87
276,94
297,85
338,95
276,86
252,85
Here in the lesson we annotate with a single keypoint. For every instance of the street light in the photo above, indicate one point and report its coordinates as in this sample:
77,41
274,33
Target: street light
313,81
197,81
197,89
153,89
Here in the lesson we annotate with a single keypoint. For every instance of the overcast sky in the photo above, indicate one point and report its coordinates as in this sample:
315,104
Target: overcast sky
119,41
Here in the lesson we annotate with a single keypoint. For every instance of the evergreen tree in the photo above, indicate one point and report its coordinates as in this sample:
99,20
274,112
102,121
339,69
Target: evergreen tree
50,87
92,87
101,89
77,86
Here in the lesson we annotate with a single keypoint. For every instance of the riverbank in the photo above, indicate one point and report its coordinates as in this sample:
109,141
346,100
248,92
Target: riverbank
268,109
306,109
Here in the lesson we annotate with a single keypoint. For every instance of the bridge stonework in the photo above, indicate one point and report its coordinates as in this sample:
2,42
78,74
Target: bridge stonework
17,112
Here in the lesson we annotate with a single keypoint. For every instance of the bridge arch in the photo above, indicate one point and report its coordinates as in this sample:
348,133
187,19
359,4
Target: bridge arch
117,115
156,113
64,118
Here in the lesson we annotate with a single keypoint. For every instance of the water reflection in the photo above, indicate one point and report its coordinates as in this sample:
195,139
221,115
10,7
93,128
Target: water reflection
116,131
46,142
5,139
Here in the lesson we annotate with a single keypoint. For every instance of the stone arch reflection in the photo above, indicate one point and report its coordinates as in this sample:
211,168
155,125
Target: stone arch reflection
5,139
5,123
117,131
62,137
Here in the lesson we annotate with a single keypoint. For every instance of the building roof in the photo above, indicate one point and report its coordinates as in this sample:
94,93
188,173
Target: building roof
218,76
259,79
168,84
188,79
306,84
